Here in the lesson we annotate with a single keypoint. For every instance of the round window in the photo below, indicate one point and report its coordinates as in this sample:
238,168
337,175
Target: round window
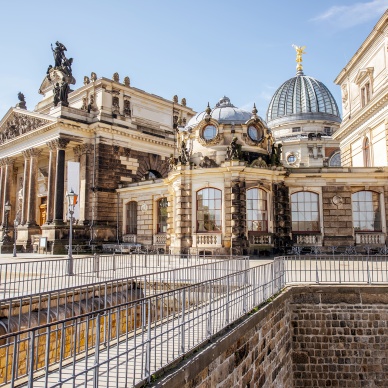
291,159
209,132
254,133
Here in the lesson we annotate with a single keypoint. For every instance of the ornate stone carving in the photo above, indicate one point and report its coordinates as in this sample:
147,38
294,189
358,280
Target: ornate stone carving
175,99
6,161
92,104
19,124
58,144
259,162
216,139
60,60
206,162
93,76
34,152
172,162
84,103
183,102
116,77
22,102
115,105
86,80
184,155
127,108
127,81
234,150
82,149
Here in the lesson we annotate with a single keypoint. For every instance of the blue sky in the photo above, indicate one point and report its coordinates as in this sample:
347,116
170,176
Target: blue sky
200,50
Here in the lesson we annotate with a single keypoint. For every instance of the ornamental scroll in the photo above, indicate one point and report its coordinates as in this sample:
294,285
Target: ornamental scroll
18,125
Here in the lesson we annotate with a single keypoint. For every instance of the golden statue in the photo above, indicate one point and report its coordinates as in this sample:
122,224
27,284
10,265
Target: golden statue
299,52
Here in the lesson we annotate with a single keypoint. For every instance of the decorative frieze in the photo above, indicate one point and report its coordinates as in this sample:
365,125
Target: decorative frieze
19,124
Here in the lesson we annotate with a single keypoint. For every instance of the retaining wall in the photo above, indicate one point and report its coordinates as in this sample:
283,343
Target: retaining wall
309,336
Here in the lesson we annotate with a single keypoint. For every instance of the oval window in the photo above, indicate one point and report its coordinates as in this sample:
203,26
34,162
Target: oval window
254,133
209,132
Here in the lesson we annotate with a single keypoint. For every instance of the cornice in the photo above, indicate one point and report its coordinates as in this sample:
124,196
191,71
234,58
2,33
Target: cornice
377,29
362,116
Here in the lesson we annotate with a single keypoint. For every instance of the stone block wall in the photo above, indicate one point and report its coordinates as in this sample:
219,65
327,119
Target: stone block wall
255,353
317,336
340,337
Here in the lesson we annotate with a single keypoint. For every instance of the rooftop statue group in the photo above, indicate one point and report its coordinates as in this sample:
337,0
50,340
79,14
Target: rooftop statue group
61,89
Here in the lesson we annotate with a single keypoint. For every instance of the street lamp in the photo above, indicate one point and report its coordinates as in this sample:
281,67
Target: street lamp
15,231
7,210
72,201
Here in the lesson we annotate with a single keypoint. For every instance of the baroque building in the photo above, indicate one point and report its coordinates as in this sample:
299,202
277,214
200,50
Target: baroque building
153,171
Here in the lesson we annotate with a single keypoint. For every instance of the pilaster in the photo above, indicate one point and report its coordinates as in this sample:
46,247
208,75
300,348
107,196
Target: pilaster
60,145
32,190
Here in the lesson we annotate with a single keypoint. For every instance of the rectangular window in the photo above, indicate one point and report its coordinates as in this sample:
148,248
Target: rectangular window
327,131
367,92
296,129
131,224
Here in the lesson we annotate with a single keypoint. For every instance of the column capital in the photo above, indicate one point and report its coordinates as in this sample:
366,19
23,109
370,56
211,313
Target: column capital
83,149
7,161
31,153
58,144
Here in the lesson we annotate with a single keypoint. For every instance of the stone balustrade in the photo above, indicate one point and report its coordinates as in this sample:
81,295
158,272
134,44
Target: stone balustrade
207,240
129,238
261,239
370,238
307,239
160,239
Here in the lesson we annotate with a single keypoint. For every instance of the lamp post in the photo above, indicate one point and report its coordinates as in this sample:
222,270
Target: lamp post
72,201
7,210
15,231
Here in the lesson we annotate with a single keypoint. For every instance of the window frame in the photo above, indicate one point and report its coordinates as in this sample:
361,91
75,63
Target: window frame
161,215
305,204
263,210
358,219
207,217
129,223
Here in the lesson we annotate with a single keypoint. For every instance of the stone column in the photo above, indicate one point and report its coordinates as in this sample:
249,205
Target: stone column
26,185
2,173
32,189
51,181
8,179
59,180
82,153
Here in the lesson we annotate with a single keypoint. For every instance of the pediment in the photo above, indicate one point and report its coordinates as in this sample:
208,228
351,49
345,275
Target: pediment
362,74
16,124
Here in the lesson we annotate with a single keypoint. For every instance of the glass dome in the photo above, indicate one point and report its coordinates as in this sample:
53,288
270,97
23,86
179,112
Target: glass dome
302,98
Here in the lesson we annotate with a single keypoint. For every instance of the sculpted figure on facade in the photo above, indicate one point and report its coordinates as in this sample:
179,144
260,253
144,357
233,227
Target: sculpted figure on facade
56,92
116,77
93,76
84,103
234,150
127,81
64,93
86,80
60,60
259,162
19,124
22,102
184,155
206,162
127,108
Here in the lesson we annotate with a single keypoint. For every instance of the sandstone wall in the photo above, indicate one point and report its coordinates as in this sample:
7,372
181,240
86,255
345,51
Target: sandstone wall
317,336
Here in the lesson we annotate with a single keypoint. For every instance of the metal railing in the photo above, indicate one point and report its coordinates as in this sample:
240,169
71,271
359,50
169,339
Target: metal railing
29,277
366,269
128,343
32,310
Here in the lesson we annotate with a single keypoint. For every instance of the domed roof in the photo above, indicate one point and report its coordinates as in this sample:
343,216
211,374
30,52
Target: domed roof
224,112
302,98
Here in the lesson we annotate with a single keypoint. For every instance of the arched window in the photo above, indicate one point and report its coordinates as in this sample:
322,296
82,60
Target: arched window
162,215
304,212
366,211
209,210
257,213
131,217
335,160
366,150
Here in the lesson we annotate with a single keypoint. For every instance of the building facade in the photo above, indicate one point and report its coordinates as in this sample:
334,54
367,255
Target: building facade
153,171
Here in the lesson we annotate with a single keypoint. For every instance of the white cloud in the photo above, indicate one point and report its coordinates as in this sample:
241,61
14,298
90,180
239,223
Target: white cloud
346,16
